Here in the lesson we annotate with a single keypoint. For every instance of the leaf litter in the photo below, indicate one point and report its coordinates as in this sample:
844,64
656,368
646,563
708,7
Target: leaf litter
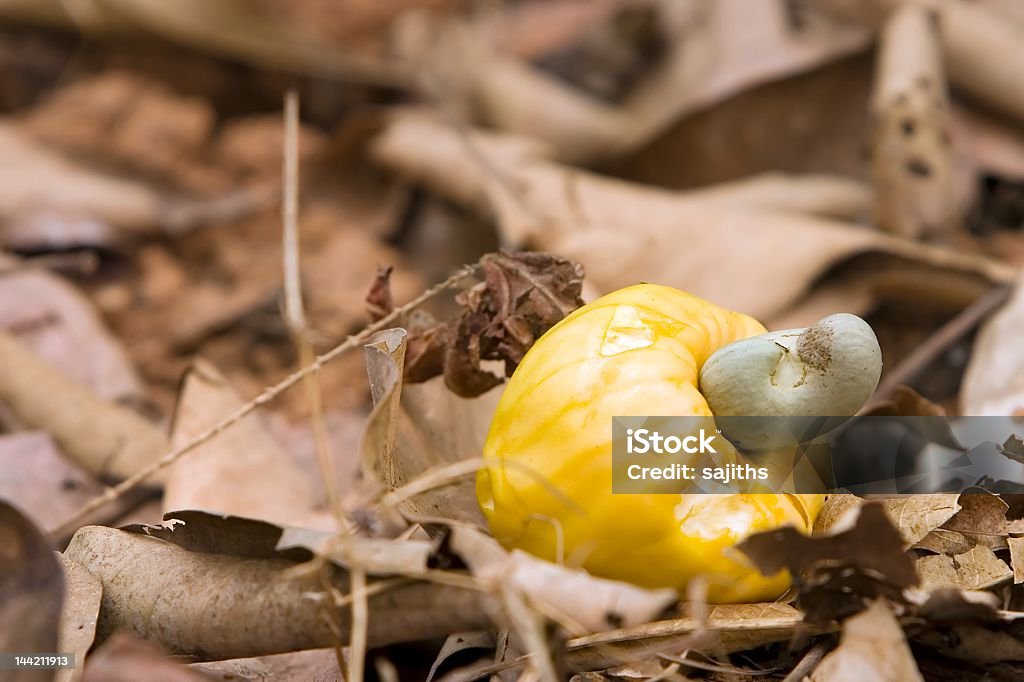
172,181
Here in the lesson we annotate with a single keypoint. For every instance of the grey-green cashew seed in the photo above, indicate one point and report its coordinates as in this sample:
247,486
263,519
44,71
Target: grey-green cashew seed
829,369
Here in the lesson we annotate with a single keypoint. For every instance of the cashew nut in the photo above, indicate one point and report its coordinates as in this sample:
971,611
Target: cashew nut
826,370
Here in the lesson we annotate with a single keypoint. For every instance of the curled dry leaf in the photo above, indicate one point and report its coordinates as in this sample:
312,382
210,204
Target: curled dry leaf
911,151
266,482
31,591
107,440
198,603
993,382
586,217
1017,559
872,647
570,595
415,429
522,296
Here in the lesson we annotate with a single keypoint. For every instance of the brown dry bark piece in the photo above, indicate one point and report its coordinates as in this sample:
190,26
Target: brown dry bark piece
108,440
31,591
207,605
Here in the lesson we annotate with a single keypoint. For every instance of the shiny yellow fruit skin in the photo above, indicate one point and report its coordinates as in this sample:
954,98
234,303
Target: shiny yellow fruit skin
637,351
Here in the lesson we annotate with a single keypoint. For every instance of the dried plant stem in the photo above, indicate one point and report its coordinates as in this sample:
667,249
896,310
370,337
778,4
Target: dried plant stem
295,315
360,624
809,662
268,395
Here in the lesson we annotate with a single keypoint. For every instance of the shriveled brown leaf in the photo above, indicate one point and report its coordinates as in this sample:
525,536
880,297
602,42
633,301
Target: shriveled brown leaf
31,592
872,647
771,551
241,471
521,297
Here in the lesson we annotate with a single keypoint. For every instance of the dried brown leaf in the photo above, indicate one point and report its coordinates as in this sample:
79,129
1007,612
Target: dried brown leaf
976,569
82,596
195,603
61,325
125,658
772,551
31,591
296,666
872,647
417,428
586,217
1017,559
918,515
40,480
241,471
993,382
106,439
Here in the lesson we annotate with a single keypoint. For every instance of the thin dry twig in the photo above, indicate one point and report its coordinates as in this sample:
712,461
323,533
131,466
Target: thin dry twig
360,624
809,662
268,395
937,343
293,305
